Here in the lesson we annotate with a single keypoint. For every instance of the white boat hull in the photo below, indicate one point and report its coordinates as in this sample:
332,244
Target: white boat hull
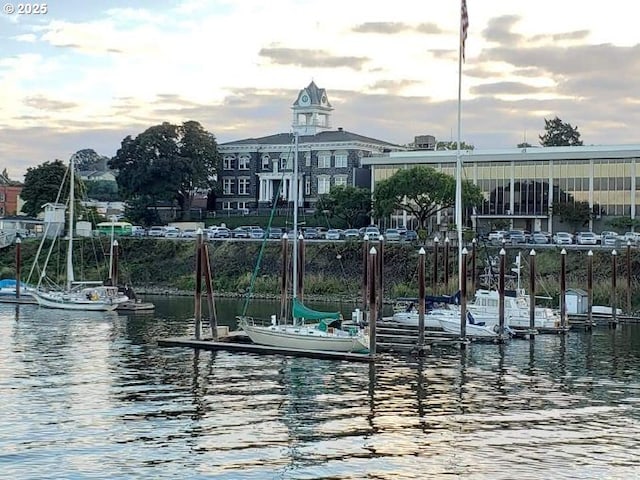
306,338
77,301
411,319
451,324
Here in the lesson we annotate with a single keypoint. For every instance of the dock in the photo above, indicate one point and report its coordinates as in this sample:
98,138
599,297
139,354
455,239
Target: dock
234,346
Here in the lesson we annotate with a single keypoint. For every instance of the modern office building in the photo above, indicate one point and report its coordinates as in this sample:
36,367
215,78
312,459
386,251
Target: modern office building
258,171
522,184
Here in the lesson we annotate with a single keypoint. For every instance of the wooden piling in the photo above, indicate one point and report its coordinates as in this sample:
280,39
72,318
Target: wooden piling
474,273
532,290
380,276
614,294
373,315
285,277
435,279
113,274
446,262
208,280
365,273
18,265
501,291
629,306
197,308
563,289
421,298
589,324
463,297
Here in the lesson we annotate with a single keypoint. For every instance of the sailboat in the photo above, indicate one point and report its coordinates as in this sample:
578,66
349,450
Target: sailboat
310,329
86,296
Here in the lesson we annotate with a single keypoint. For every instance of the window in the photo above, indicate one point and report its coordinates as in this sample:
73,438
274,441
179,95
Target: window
242,205
228,162
307,186
324,184
243,163
324,160
341,160
3,198
227,186
340,180
265,162
307,159
226,205
243,186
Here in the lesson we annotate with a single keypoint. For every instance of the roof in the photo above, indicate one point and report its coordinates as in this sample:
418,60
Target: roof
577,291
315,95
333,136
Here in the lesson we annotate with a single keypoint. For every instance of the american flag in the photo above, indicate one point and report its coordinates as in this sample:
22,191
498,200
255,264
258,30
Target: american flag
464,25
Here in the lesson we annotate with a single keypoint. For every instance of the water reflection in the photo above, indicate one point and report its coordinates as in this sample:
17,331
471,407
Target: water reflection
92,394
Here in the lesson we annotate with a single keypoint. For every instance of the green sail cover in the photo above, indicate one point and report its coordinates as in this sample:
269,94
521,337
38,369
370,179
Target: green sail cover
300,311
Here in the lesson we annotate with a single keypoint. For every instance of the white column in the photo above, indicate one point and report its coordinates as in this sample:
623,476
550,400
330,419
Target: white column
512,187
591,192
261,191
633,188
550,199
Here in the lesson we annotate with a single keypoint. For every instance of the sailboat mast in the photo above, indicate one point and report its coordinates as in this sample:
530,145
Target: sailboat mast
458,200
295,216
70,278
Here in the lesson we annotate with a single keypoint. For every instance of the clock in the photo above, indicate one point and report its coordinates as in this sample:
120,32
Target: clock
304,99
324,99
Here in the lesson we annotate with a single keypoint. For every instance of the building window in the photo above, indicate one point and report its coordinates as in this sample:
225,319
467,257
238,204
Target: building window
307,186
341,160
324,184
340,180
226,205
3,198
242,205
324,160
228,162
243,186
243,163
265,162
307,159
227,186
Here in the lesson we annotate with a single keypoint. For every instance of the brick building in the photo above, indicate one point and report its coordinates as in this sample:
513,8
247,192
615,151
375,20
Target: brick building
9,196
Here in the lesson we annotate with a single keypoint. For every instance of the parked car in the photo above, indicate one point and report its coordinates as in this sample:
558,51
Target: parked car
411,236
392,235
222,232
172,232
351,234
310,233
240,232
138,231
516,236
563,238
631,237
610,239
156,231
539,238
496,235
189,233
256,232
333,234
275,233
586,238
372,231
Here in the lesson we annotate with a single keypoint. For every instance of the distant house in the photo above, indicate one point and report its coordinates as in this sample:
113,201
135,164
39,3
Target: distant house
9,196
97,175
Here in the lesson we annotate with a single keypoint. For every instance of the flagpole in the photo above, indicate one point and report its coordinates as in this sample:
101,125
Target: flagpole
458,199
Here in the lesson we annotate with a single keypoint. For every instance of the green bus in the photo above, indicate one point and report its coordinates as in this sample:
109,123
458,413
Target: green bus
121,229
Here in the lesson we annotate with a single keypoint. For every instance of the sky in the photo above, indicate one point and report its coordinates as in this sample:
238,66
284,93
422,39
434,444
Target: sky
88,74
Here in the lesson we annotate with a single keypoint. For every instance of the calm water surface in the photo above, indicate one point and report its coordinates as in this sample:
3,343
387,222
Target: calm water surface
93,396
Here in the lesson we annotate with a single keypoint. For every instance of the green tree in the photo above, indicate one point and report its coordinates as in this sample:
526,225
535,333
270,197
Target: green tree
88,159
421,192
166,163
350,204
453,146
624,223
42,184
559,134
103,190
576,214
524,145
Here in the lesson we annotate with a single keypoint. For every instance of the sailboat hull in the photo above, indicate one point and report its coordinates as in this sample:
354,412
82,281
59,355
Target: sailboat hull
78,301
306,338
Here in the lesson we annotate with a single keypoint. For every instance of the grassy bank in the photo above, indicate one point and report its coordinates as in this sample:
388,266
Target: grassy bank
332,270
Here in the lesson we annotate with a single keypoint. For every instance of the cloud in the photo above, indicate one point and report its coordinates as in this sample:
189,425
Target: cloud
382,27
311,58
41,102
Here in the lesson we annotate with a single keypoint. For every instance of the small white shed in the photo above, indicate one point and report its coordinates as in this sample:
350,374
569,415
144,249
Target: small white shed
576,300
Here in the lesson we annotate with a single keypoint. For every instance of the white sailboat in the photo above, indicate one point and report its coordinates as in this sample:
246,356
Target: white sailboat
86,296
311,329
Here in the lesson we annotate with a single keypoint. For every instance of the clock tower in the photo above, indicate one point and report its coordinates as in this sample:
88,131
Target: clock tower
311,111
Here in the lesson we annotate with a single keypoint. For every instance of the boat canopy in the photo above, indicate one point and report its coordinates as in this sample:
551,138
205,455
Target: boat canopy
301,311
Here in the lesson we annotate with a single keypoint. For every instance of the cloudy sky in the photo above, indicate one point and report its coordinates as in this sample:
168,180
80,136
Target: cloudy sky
86,74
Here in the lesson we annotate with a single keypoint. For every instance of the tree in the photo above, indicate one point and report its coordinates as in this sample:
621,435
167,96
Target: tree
524,145
88,159
559,134
103,190
624,223
453,146
42,184
349,204
576,214
167,162
421,192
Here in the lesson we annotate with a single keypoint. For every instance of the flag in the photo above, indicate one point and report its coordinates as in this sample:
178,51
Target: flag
464,26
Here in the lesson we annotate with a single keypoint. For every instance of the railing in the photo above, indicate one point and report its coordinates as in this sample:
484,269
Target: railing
7,238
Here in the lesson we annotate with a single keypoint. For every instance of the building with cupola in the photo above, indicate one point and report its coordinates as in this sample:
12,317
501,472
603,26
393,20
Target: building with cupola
256,172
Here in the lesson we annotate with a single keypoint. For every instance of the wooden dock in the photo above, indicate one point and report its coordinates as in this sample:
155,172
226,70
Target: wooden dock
235,346
600,319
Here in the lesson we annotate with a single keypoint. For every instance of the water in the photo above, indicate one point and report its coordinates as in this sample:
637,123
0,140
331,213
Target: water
92,396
